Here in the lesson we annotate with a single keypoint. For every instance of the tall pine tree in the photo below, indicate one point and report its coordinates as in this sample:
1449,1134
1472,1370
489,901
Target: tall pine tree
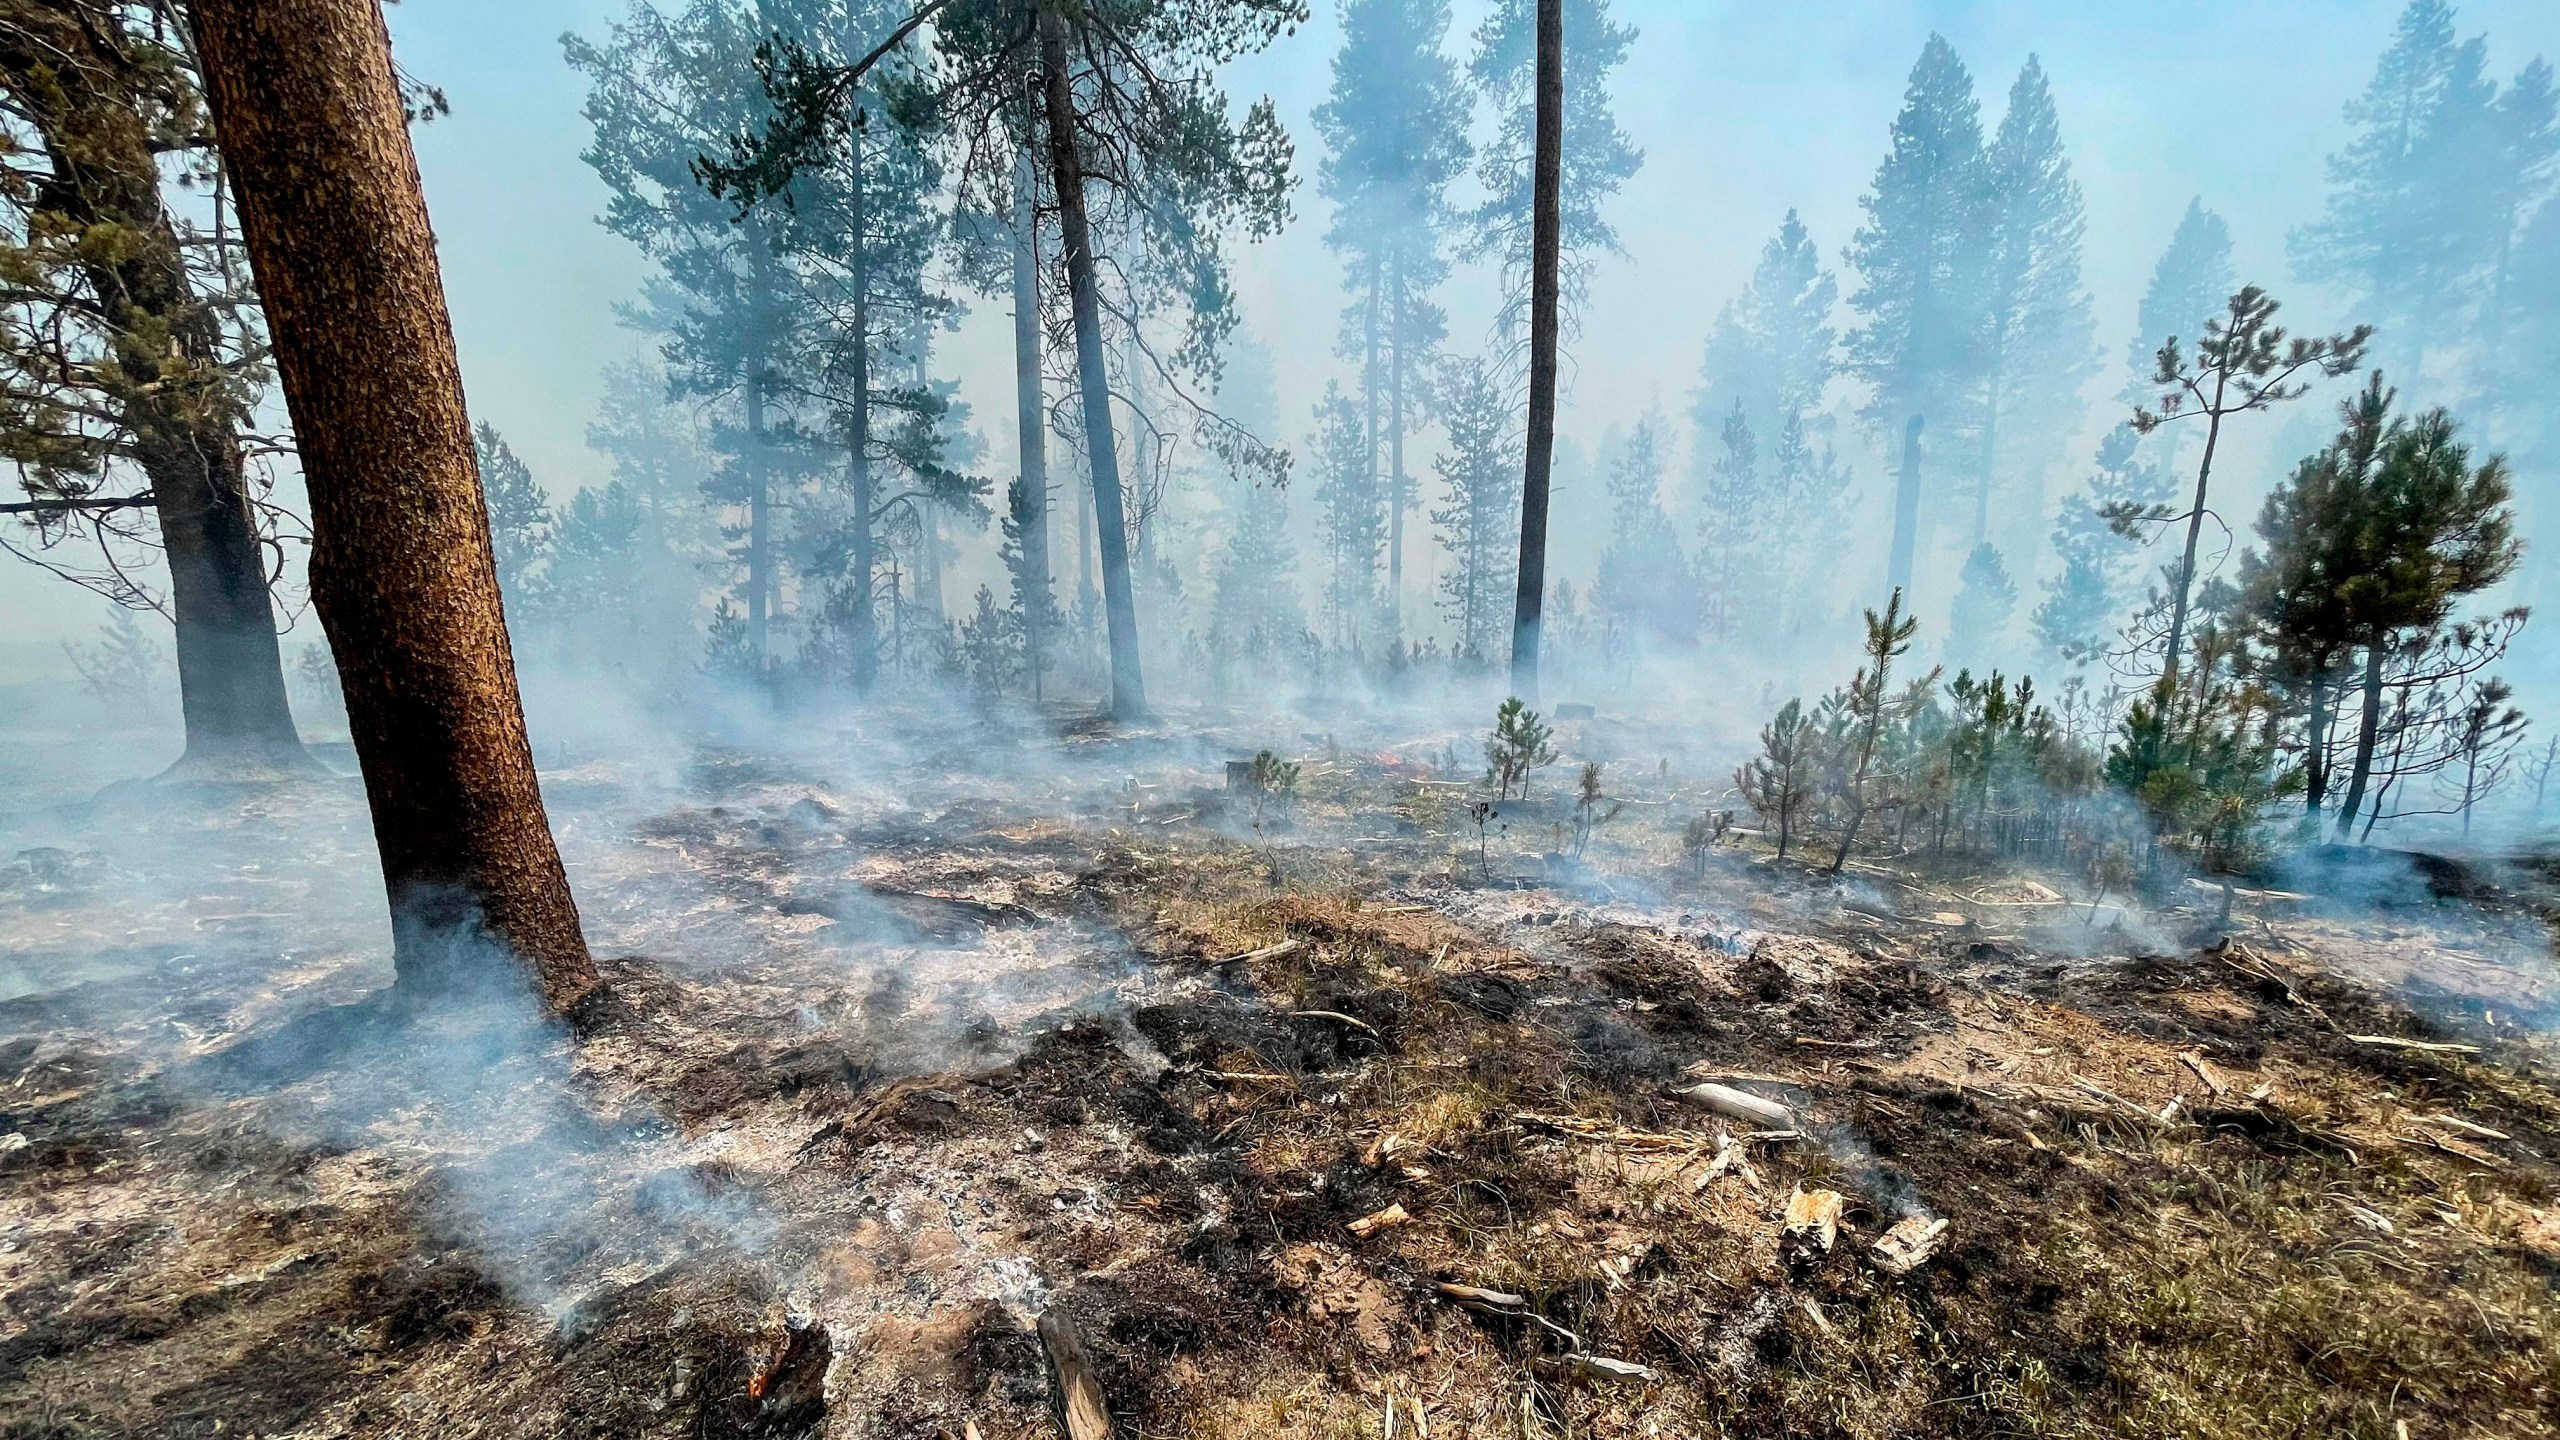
1919,257
2038,342
1598,155
1480,522
1394,128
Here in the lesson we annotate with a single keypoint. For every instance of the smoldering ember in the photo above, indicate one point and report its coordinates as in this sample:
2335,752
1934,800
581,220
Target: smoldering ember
985,719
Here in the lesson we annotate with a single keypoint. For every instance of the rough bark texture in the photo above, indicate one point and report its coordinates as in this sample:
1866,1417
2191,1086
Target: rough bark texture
309,118
1546,258
1031,418
179,418
1906,511
1110,515
2368,732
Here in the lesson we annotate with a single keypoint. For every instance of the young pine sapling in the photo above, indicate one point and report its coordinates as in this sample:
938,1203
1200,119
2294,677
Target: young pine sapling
1521,743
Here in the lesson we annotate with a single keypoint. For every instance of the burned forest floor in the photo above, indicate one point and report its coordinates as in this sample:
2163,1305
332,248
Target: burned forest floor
1339,1115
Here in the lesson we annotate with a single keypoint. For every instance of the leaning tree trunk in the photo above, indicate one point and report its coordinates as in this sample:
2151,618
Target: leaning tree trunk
1119,605
1030,413
307,110
2367,736
1546,257
230,668
173,400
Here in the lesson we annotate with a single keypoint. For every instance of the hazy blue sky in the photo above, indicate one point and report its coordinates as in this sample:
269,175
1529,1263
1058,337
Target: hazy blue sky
1743,109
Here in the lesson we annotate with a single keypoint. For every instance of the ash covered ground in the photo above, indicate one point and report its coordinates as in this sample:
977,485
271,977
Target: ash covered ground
1330,1117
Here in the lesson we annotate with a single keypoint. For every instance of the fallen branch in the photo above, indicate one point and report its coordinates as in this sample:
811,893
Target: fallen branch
2213,1081
1738,1105
1353,1021
1267,952
1609,1369
2394,1042
1909,1244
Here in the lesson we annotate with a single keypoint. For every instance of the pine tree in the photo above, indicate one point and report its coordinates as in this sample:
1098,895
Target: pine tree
1355,525
1773,350
132,350
1033,603
1738,527
2088,597
1598,155
1394,128
1479,524
664,91
308,105
1919,257
1255,616
519,519
1985,598
2189,284
2410,227
1644,582
2038,344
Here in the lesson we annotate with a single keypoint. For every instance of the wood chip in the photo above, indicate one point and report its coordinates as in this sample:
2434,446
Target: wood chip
1813,1221
1382,1149
1738,1105
1377,1220
1909,1244
2214,1084
1079,1396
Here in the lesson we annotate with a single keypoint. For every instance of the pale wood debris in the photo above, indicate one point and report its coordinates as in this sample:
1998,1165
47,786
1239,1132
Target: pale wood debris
1738,1105
2394,1042
1909,1244
2214,1084
1377,1220
1813,1219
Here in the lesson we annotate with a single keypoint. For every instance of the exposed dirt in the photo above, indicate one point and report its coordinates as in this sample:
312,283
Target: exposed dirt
886,1070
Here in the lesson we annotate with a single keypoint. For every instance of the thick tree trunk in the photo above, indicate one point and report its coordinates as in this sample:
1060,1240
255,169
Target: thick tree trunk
1546,257
1906,510
68,77
230,668
1030,413
2361,770
1111,524
308,113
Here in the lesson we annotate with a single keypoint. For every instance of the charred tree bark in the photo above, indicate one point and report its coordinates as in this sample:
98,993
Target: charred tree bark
1110,514
1546,259
1906,510
1031,410
72,77
308,112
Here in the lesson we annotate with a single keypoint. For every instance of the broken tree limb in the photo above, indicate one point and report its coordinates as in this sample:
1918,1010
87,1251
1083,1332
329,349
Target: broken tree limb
1608,1368
1738,1105
1267,952
2394,1042
1478,1295
1079,1395
1354,1021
